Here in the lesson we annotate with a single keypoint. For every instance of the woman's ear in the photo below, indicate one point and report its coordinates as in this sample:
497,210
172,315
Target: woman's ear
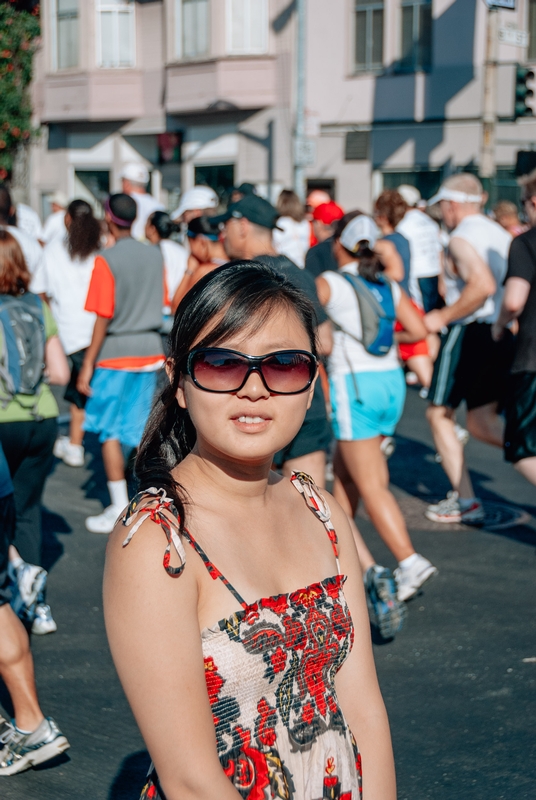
181,394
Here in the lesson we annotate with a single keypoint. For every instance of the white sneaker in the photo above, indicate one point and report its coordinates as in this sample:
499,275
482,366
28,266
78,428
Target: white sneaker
71,454
387,446
411,379
410,579
43,620
105,522
451,510
31,580
462,434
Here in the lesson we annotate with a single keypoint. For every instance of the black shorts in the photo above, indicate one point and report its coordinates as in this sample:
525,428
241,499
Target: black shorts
72,395
8,521
430,293
314,435
471,367
520,432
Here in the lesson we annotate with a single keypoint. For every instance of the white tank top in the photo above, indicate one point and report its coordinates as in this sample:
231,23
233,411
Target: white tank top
492,244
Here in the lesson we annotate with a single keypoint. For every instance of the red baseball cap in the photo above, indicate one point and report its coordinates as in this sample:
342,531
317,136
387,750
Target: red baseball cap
328,213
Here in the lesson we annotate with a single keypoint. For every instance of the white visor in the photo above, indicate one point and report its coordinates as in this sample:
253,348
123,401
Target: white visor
455,196
359,229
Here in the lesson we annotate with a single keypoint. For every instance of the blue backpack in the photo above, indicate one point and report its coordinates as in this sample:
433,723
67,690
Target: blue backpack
22,345
377,311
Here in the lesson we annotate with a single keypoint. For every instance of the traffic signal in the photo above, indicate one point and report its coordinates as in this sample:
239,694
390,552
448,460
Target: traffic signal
523,93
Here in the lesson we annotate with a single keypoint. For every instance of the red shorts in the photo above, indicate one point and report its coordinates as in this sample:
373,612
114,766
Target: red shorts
407,351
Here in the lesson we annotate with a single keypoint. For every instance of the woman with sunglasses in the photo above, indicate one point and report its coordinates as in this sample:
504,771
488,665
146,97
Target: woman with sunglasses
270,700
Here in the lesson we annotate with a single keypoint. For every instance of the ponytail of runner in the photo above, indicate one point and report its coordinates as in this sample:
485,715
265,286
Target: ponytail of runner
236,297
83,230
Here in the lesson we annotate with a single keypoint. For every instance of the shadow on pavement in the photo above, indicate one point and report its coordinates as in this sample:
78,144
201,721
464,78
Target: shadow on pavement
51,547
130,779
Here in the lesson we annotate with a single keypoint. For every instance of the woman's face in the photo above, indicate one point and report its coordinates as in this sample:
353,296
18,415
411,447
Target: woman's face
151,234
199,248
250,425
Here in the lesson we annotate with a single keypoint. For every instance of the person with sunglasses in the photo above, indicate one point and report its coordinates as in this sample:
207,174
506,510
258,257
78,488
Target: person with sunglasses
206,253
246,654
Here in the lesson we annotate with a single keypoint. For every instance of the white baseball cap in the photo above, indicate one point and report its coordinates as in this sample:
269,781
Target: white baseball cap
359,229
198,197
59,199
410,194
455,196
135,172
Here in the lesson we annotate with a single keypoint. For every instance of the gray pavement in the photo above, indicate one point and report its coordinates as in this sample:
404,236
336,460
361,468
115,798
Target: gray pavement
458,681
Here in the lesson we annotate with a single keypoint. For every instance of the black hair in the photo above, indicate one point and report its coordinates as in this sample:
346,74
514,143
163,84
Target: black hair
163,224
124,208
230,299
369,265
84,233
202,226
5,204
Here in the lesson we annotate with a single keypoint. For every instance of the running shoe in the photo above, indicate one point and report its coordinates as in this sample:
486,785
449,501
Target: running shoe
28,581
105,522
43,621
70,454
5,726
387,446
410,579
411,378
386,610
21,751
462,434
451,510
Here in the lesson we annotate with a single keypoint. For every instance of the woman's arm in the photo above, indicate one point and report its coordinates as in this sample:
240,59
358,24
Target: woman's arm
391,260
323,290
411,320
56,365
356,682
153,631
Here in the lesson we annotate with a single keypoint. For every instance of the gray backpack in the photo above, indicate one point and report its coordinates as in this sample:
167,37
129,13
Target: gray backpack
22,346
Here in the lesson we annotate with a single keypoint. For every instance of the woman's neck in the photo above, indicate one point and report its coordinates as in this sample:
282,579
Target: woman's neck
246,482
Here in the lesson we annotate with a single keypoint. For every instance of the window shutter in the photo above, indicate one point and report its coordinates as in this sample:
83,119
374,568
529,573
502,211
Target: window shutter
357,146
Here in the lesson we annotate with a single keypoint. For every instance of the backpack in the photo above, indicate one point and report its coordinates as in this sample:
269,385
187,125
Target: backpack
377,311
22,345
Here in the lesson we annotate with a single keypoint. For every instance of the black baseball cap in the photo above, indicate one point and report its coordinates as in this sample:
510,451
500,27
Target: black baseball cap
252,207
245,189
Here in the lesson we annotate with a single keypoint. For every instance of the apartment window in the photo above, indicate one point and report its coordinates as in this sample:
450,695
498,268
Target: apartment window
532,31
192,28
416,48
368,35
65,33
247,26
116,33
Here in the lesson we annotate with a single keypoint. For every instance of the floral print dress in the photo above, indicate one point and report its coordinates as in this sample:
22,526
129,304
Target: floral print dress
270,673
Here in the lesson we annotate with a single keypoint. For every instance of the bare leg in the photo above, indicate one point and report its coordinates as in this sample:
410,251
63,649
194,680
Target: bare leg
76,431
527,468
423,368
485,424
433,342
450,449
17,670
347,484
367,466
314,464
114,463
365,556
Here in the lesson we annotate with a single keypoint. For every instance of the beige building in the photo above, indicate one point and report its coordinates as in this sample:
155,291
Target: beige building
204,91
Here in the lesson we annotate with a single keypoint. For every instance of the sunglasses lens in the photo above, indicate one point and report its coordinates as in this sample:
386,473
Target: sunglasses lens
288,372
219,370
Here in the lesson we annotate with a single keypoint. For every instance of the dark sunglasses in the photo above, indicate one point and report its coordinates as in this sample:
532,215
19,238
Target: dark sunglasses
216,369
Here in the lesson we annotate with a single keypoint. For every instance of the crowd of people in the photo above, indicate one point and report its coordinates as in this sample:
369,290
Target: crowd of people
333,313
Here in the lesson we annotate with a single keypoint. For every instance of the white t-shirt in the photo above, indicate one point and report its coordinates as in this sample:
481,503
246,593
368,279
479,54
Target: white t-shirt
492,243
175,263
146,205
31,250
294,240
422,234
347,355
66,282
29,222
54,227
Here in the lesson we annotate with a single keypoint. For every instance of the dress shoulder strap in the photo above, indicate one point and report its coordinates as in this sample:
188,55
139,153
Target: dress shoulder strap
319,506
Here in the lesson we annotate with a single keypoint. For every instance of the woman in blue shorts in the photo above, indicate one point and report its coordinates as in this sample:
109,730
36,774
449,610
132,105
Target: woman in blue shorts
368,392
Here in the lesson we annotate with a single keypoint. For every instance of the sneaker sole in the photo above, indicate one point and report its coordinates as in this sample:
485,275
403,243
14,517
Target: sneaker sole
45,753
431,573
37,586
43,630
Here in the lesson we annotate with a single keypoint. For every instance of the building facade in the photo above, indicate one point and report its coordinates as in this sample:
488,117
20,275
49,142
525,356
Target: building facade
204,91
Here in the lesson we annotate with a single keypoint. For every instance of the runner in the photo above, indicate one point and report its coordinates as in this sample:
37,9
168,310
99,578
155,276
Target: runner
470,366
367,391
157,231
292,235
195,202
281,697
31,249
207,253
135,177
248,235
519,302
64,282
54,227
126,293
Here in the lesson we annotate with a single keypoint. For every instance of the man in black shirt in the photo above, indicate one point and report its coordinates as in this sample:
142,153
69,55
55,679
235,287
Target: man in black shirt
248,235
519,302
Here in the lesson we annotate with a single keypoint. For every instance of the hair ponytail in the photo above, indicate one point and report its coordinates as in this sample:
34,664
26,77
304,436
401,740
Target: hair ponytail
369,265
84,232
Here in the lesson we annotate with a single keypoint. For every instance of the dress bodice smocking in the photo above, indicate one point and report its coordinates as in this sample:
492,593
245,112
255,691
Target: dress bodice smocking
270,673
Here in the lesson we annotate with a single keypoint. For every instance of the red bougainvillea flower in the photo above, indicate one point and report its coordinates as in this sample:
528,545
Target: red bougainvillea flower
2,144
6,54
26,134
5,126
10,68
3,174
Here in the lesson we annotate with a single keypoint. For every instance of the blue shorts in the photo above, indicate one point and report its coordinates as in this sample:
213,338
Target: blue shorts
120,404
374,411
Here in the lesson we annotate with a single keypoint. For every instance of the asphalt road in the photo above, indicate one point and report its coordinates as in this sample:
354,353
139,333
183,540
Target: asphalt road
458,681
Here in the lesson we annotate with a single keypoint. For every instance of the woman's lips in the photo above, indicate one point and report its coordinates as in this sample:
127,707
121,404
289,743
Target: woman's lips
251,422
